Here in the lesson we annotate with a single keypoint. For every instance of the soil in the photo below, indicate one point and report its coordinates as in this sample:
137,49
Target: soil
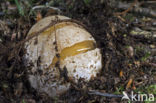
125,56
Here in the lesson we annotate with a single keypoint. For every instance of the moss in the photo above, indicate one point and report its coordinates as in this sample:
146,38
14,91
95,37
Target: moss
145,57
87,2
119,90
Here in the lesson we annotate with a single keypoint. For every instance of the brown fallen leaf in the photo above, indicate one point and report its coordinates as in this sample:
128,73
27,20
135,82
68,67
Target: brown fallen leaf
130,82
134,87
121,73
38,16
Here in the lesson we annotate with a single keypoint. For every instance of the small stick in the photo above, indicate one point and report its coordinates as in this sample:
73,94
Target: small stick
149,64
105,94
42,6
1,13
127,10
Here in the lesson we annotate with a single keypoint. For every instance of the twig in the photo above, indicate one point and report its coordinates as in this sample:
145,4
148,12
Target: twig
127,10
42,6
105,94
149,64
150,2
137,9
1,13
142,34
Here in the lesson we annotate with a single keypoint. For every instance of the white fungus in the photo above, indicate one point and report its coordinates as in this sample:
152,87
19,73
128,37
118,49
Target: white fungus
77,52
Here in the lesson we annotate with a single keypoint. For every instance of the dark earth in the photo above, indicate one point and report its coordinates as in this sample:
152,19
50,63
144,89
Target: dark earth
127,39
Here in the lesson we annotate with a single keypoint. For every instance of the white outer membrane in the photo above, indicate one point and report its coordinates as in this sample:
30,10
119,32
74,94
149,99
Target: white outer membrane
84,65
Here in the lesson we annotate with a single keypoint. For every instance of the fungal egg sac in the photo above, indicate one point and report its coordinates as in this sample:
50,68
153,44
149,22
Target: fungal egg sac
66,44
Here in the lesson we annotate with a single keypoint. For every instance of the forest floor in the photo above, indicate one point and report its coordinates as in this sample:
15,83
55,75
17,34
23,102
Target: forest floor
126,37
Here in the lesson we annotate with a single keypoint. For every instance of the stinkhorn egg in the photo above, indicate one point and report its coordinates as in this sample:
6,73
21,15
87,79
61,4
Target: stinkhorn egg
66,44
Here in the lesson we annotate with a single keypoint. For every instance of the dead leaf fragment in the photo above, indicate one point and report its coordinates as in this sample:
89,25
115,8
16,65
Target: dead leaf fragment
121,73
129,83
38,16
